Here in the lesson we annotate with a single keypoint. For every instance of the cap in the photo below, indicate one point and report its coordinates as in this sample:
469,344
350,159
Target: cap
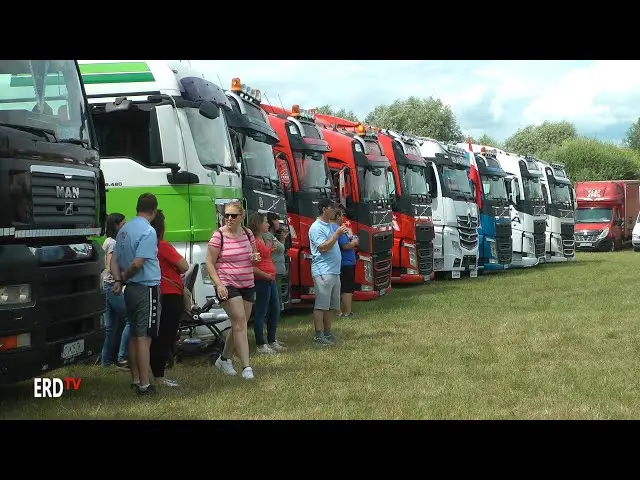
326,203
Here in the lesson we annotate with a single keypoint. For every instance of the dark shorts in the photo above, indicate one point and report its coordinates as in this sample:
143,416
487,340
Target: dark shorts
347,278
143,309
247,294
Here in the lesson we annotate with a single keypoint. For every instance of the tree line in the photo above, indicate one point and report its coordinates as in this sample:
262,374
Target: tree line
585,158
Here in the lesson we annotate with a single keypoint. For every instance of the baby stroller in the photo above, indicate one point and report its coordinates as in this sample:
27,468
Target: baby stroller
186,344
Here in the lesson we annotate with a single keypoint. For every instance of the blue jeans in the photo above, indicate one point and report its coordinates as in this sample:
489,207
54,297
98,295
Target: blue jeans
116,309
267,305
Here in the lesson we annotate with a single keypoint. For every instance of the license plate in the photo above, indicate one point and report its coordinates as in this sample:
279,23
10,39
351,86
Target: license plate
455,274
73,349
473,273
383,291
427,278
585,244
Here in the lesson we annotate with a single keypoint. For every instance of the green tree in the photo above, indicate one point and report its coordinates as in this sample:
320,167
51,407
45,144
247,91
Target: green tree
342,113
537,139
427,117
589,159
486,140
632,138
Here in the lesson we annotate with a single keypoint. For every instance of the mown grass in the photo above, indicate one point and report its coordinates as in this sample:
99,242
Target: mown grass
556,341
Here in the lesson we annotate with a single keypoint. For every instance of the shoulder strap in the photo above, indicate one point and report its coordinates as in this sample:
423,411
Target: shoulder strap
221,238
172,282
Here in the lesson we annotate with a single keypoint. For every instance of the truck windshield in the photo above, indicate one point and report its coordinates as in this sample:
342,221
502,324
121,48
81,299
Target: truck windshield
560,193
593,215
532,188
211,139
456,181
259,159
414,181
43,97
493,187
312,171
373,183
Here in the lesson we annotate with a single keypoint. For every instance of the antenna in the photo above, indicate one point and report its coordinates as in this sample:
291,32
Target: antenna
281,104
220,82
265,96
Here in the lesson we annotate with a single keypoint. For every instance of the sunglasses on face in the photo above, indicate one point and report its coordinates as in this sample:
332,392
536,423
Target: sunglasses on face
231,215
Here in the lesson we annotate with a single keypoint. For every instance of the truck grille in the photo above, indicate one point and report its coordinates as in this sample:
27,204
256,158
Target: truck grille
467,227
503,230
539,244
63,197
425,258
539,227
587,236
382,270
425,233
505,251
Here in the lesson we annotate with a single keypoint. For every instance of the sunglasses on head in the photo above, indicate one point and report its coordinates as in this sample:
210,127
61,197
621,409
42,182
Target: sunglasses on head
231,215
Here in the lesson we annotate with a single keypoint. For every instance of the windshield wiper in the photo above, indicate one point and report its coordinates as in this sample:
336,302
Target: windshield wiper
75,141
42,132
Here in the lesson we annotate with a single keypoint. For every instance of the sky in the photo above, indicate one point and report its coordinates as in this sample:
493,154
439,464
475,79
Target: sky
601,98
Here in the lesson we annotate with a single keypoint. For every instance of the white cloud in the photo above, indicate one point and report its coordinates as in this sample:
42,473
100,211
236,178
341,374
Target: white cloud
494,97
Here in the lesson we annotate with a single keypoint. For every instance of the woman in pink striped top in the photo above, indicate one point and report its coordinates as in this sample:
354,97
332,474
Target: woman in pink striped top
230,258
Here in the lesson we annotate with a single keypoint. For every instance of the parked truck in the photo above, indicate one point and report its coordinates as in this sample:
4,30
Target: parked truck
606,214
455,213
305,179
161,129
414,232
494,231
253,139
359,168
527,208
52,194
559,197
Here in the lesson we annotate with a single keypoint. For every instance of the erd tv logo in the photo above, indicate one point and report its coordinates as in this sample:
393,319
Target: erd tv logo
54,387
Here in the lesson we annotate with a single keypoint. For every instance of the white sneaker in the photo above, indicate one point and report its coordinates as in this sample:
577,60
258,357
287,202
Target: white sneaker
170,383
226,366
277,347
247,373
266,349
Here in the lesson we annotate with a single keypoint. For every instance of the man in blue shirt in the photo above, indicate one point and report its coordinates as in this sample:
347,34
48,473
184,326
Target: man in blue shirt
135,264
325,270
348,266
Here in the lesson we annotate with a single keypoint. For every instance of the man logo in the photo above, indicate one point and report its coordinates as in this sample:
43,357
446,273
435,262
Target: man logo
68,208
67,192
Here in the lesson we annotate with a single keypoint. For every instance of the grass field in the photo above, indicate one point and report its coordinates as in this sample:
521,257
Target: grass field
552,342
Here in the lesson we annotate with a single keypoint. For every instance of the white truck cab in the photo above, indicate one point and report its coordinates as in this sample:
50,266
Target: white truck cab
559,196
527,206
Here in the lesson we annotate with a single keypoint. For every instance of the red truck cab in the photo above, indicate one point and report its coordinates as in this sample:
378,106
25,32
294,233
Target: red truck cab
304,179
359,168
412,216
606,213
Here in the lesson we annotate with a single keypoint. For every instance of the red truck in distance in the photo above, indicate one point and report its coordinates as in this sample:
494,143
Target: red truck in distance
304,178
359,168
606,214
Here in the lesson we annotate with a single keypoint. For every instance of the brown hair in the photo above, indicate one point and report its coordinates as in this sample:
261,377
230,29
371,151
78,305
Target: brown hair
235,203
254,222
158,225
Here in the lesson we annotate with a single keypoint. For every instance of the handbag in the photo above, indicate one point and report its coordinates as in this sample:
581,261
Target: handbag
187,297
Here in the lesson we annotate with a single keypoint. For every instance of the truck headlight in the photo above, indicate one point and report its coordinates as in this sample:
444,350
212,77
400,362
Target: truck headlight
493,248
413,259
635,237
15,294
604,234
368,270
457,251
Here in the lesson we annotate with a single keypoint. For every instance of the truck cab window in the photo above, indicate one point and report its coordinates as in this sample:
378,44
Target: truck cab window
128,134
